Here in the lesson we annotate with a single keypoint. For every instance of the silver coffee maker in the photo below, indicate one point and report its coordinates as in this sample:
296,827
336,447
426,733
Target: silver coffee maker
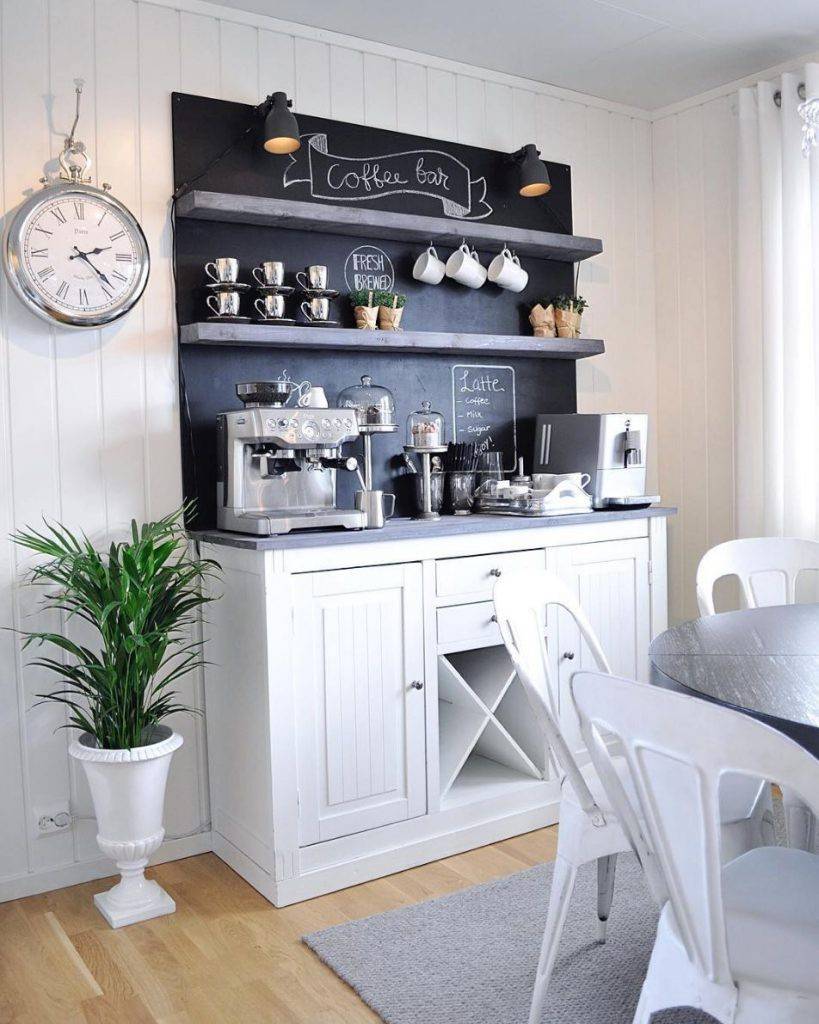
610,447
276,466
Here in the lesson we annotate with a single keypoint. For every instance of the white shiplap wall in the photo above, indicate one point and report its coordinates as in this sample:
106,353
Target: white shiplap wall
694,156
88,431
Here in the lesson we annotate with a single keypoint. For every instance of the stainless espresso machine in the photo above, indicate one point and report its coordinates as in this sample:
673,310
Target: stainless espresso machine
610,447
276,466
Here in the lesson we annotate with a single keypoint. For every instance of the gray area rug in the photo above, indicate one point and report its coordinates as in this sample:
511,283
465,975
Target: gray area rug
470,957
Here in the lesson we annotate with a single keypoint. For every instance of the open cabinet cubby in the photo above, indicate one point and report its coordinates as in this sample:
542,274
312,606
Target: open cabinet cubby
487,739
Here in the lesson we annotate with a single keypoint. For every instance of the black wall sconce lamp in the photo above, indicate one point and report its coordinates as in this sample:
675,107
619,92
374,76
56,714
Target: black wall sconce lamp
281,129
533,176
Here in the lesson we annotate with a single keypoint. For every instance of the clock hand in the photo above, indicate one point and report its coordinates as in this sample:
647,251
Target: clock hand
91,252
99,273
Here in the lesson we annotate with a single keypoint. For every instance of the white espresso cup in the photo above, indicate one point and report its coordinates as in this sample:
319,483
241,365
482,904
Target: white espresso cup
506,272
313,398
428,268
546,481
464,267
313,279
270,307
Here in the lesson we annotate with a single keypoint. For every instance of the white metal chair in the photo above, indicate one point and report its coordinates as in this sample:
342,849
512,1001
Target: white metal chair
739,940
767,569
590,829
754,561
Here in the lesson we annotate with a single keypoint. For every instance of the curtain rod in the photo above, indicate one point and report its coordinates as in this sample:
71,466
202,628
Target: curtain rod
777,97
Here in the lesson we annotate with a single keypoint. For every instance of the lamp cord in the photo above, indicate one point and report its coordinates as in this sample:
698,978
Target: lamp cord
260,111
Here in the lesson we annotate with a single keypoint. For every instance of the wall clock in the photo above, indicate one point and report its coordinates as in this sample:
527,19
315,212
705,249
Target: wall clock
73,253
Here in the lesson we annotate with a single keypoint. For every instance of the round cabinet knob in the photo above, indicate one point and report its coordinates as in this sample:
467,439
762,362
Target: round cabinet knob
568,655
494,572
416,684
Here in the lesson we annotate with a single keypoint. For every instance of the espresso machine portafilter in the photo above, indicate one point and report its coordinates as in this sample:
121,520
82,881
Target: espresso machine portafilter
277,466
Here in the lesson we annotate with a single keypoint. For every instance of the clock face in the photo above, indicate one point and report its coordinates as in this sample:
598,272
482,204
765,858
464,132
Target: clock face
78,256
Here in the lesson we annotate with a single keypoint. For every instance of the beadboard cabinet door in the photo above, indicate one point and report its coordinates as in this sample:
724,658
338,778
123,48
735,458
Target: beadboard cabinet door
611,580
359,649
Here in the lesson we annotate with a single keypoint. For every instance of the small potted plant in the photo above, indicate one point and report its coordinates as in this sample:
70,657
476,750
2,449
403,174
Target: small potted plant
365,308
390,307
568,310
138,599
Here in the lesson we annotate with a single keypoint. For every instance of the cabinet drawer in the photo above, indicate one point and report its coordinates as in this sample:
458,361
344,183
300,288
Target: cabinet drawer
473,577
467,625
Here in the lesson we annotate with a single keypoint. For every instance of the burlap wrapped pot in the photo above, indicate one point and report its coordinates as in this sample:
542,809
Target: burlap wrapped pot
567,323
365,317
542,319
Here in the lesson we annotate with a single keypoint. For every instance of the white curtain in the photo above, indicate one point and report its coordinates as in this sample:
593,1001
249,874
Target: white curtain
776,314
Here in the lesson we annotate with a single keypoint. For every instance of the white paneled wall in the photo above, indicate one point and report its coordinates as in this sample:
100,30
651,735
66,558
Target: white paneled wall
694,200
89,432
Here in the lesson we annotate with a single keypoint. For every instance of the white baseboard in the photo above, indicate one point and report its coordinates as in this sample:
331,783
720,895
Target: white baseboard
73,874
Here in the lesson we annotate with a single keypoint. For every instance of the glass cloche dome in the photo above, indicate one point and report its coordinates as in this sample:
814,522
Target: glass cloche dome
425,428
374,405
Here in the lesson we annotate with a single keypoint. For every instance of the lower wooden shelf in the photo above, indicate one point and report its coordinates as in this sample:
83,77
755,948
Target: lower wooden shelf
272,336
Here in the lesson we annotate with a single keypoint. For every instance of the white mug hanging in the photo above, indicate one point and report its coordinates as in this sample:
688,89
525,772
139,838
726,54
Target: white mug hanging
464,267
428,268
506,272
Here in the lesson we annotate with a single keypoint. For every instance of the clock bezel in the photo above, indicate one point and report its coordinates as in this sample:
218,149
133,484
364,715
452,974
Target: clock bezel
19,277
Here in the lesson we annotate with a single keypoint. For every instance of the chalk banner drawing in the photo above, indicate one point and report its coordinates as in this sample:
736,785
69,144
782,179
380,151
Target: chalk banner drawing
484,409
423,172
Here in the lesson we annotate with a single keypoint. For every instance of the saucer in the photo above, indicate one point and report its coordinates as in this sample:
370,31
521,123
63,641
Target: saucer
320,323
283,320
228,319
275,289
320,293
228,286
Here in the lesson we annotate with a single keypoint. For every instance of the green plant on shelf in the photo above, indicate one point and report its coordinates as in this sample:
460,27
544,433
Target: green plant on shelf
391,300
364,297
572,303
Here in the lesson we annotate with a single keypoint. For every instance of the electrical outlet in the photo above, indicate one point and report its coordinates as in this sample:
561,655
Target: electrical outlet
50,820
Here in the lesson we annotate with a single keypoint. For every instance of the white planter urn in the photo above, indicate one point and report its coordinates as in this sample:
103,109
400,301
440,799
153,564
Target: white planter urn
128,790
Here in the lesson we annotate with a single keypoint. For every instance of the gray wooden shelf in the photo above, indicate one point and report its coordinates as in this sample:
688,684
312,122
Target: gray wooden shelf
261,335
363,220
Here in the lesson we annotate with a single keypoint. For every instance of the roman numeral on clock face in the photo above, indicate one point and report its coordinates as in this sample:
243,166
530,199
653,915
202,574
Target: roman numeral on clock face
108,295
114,237
62,291
83,297
79,210
45,273
124,257
119,277
43,253
58,213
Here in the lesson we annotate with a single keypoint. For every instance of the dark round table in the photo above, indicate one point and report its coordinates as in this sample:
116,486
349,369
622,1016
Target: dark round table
764,661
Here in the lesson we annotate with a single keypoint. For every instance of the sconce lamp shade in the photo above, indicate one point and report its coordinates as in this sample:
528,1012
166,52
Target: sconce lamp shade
533,175
281,129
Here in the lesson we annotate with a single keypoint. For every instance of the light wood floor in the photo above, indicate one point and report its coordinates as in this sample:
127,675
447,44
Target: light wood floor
226,956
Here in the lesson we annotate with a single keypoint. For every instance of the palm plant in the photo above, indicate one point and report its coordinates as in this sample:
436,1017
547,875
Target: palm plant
140,598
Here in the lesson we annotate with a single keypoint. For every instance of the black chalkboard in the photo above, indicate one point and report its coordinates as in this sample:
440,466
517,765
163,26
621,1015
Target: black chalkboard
484,408
203,127
352,163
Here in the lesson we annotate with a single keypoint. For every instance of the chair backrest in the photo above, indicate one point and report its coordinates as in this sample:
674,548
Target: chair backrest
678,748
767,569
520,602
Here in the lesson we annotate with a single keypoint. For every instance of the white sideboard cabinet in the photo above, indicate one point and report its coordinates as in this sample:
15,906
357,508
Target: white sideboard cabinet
362,713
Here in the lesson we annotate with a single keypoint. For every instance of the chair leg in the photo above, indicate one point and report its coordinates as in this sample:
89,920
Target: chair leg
563,881
605,892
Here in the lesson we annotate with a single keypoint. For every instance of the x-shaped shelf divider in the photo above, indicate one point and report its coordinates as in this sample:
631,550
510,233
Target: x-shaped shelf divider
469,698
